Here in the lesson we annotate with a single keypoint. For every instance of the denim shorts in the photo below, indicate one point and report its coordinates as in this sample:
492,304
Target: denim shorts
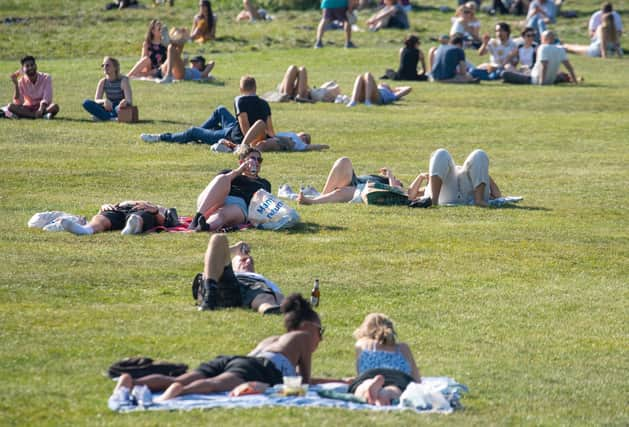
238,201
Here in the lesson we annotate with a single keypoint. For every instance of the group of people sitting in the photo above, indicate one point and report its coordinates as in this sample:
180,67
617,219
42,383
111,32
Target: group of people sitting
384,365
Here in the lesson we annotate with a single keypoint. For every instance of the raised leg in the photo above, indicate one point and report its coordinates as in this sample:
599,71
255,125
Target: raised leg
217,257
256,133
303,91
288,85
141,68
358,93
371,89
213,197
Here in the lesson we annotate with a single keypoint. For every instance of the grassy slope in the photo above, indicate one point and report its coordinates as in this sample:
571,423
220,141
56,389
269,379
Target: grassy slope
527,306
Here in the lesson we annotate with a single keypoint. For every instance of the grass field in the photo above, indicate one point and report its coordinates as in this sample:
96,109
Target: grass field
526,305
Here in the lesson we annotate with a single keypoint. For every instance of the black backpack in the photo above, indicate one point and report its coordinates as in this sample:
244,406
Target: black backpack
141,366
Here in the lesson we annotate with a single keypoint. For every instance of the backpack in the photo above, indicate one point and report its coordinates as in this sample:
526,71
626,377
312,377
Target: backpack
141,366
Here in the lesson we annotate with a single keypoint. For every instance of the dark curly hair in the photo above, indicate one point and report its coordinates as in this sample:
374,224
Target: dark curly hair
297,309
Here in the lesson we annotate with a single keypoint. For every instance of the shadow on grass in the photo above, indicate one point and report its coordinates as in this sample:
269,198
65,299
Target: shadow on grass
311,228
524,208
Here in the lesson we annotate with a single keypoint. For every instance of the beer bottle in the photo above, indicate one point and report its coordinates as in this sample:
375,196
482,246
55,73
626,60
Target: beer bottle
315,294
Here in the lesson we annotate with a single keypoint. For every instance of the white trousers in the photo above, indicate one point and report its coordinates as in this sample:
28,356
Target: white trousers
459,182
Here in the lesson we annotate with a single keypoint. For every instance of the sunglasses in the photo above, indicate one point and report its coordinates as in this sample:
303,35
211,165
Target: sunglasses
529,35
321,329
467,12
105,65
257,159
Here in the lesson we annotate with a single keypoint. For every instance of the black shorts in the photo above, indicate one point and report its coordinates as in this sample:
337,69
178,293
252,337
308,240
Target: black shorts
391,377
250,289
335,14
247,368
118,218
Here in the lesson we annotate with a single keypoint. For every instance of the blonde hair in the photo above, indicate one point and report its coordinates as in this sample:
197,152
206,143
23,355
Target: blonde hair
115,63
378,327
609,27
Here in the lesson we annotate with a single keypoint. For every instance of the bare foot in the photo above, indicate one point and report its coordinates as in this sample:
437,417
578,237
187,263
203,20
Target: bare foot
387,394
303,200
370,389
171,392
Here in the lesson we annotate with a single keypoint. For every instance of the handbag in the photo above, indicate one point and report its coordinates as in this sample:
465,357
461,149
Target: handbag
270,213
128,114
384,195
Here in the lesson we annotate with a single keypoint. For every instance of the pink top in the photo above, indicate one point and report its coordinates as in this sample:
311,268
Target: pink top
34,94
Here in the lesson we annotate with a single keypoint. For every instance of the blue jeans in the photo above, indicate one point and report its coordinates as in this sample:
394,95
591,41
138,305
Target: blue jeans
98,111
219,125
481,74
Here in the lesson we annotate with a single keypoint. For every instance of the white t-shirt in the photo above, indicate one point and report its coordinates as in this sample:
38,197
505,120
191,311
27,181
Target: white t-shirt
498,52
300,145
525,56
595,21
554,55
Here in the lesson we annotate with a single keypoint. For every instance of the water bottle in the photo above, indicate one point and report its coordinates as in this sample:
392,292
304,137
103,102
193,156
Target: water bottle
315,295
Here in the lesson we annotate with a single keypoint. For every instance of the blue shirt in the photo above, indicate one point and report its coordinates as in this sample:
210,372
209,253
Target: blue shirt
447,58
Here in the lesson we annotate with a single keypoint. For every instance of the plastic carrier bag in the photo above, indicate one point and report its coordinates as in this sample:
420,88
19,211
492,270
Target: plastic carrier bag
270,213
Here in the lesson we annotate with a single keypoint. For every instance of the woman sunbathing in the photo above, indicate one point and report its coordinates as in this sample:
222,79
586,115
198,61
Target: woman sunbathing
384,366
274,357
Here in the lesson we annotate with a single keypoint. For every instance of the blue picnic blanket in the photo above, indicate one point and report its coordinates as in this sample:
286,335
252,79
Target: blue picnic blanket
449,388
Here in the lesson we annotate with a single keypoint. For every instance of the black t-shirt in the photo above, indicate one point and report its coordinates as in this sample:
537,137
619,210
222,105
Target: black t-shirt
256,109
244,187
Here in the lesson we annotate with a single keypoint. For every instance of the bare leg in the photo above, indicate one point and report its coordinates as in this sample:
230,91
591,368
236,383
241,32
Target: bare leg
223,382
303,91
371,89
263,302
358,93
435,184
387,394
174,62
217,257
253,11
225,216
256,133
288,82
340,175
340,195
579,49
267,145
21,111
321,29
141,68
347,27
100,223
370,389
213,197
157,382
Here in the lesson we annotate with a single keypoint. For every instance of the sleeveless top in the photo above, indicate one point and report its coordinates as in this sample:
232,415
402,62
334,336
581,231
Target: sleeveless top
113,90
280,362
157,53
373,359
408,64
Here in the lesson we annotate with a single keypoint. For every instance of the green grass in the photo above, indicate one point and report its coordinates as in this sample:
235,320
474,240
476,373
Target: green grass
525,305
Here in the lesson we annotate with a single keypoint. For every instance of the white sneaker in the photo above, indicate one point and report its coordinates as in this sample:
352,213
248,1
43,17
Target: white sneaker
286,192
119,399
310,191
133,226
48,116
149,137
221,147
351,104
167,79
142,395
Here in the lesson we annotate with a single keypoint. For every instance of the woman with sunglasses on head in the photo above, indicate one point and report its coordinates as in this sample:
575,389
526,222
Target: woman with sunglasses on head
289,354
113,92
384,366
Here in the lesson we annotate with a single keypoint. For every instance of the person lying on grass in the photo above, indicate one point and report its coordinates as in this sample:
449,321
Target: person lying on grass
225,200
366,90
289,354
342,184
132,217
258,138
384,366
469,184
229,280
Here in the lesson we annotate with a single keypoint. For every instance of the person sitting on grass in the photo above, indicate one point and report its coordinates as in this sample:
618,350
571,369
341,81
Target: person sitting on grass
343,186
448,63
132,217
605,42
384,366
548,58
274,357
392,15
366,90
257,138
410,57
204,23
522,58
448,183
222,124
229,279
225,200
499,49
154,53
112,93
32,96
465,23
